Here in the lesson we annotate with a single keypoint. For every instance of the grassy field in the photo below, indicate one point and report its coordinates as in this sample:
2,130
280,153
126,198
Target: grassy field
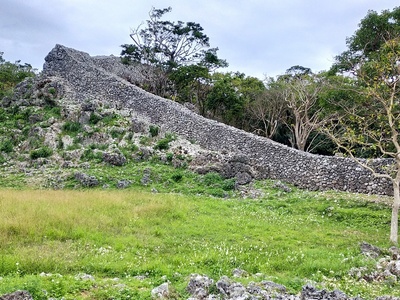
50,241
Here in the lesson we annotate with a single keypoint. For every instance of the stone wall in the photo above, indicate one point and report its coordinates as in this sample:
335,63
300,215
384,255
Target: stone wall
98,79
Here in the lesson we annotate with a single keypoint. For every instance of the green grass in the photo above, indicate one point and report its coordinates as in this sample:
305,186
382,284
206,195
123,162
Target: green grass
192,224
291,238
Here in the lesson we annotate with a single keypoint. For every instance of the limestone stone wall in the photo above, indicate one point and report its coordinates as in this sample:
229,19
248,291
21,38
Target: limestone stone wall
97,79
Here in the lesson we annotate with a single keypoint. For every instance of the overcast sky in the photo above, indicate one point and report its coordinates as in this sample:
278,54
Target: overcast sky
256,37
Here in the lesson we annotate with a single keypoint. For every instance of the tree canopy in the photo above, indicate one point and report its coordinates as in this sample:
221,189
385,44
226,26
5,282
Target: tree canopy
11,74
169,44
373,32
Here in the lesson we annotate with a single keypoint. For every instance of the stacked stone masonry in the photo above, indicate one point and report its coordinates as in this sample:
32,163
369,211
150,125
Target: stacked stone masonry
102,79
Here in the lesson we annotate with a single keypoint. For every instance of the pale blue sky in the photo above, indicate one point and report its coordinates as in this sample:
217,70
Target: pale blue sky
256,37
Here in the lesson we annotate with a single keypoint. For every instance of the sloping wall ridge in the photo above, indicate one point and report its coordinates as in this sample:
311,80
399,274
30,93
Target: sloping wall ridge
94,78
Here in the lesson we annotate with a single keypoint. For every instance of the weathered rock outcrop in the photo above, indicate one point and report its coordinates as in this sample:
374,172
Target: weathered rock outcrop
97,80
18,295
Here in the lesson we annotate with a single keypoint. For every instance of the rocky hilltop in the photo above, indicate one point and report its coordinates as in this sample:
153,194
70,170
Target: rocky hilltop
90,91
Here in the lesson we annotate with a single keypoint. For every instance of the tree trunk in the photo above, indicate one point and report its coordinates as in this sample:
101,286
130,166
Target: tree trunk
395,213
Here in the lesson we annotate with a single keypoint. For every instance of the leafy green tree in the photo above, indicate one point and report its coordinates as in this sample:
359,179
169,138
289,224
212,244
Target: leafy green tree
223,101
192,84
373,32
164,51
229,96
169,44
373,120
11,74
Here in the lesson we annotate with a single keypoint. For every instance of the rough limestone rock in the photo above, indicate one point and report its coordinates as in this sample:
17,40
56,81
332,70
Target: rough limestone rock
311,293
273,287
161,292
86,180
227,289
123,184
109,83
239,273
145,180
387,268
283,187
18,295
114,158
231,289
370,250
199,286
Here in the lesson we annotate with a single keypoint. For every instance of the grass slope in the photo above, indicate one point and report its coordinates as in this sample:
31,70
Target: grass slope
49,240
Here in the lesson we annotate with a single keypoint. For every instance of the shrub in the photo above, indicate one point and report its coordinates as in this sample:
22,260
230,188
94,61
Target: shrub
72,127
212,179
144,140
89,154
154,130
41,152
7,146
117,133
53,111
133,148
228,184
3,115
52,91
49,101
11,74
98,146
94,118
162,144
177,177
217,192
110,119
170,156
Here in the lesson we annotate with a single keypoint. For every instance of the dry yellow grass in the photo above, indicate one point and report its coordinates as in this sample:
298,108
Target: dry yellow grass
35,214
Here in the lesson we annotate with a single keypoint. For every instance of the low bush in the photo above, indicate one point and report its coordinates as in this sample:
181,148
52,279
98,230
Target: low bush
41,153
72,127
154,130
94,118
177,177
163,144
228,184
7,146
212,178
89,155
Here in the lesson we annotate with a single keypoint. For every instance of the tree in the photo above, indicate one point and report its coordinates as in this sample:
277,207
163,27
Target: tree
223,101
267,108
374,31
192,84
11,74
161,48
167,44
229,95
299,90
373,120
